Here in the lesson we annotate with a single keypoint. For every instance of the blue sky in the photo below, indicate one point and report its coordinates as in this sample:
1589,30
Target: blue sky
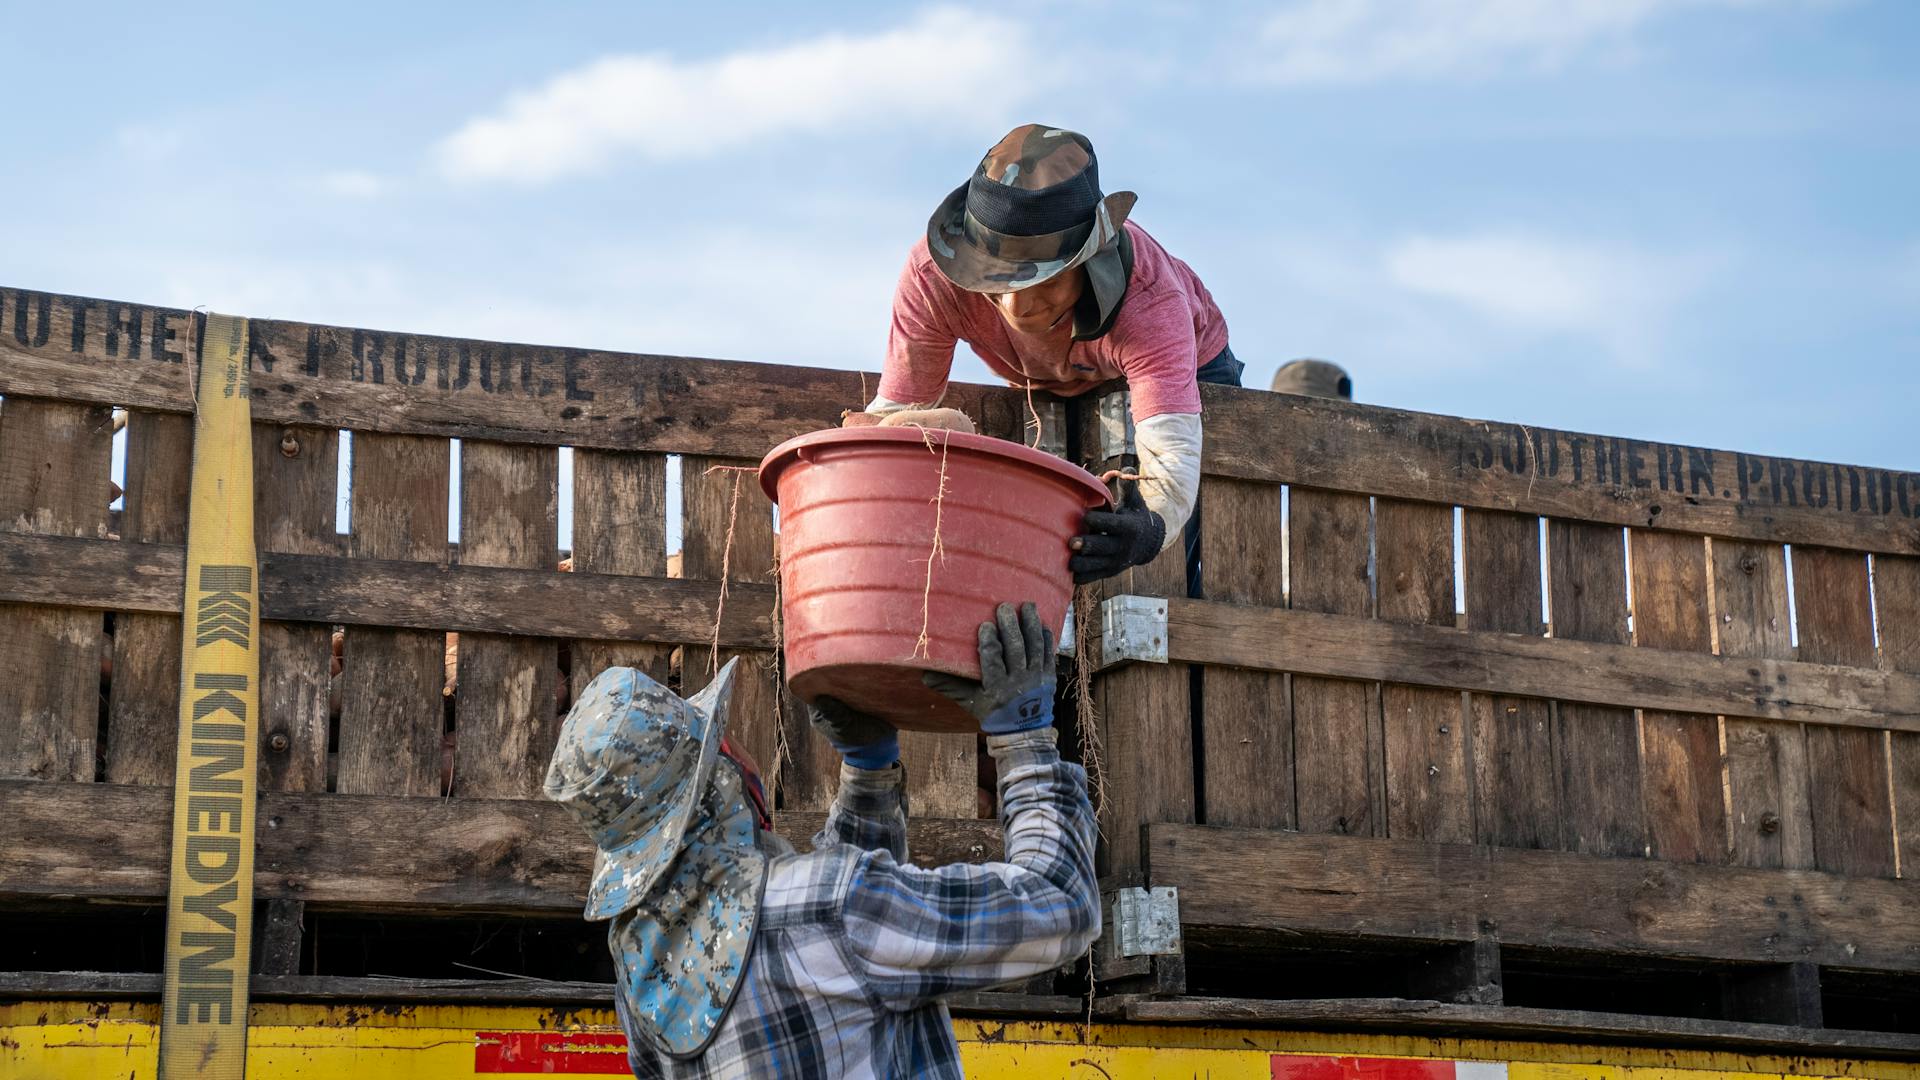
1687,220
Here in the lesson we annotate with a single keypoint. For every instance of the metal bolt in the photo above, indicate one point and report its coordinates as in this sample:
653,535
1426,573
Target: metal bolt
278,742
1769,823
1444,729
289,443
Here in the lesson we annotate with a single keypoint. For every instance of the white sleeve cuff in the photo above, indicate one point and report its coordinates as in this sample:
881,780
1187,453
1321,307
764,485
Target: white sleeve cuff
881,406
1169,450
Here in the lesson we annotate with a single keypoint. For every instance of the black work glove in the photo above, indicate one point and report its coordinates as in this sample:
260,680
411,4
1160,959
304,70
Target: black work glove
1129,535
1015,691
866,742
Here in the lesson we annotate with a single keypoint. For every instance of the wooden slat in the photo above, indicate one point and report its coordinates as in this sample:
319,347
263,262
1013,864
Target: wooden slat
1896,596
710,516
1336,740
1427,768
295,504
366,852
1488,465
1514,769
1847,770
505,708
1769,816
376,592
1246,725
1336,646
1240,880
54,461
393,704
1398,1016
369,380
143,708
1599,749
619,527
1686,799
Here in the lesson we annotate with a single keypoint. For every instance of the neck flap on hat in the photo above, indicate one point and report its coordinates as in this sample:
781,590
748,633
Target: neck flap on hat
678,869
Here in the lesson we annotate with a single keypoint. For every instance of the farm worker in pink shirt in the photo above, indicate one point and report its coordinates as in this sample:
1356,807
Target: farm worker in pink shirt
1051,285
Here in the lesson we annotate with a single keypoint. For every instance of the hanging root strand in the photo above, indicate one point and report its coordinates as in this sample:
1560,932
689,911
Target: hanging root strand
922,648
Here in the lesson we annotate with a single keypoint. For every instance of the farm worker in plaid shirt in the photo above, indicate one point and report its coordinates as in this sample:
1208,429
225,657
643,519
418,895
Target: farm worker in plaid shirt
1051,285
737,956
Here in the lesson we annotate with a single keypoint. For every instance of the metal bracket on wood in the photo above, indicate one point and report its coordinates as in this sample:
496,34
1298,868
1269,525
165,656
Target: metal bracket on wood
1053,427
1065,646
1146,922
1133,628
1116,425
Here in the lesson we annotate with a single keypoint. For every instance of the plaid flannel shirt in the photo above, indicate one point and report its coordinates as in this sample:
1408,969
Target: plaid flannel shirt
856,947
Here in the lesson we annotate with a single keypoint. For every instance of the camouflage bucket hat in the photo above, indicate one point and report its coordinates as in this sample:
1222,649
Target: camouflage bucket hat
1032,211
632,765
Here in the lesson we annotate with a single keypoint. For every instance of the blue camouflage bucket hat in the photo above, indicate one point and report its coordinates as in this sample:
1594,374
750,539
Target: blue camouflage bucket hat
678,871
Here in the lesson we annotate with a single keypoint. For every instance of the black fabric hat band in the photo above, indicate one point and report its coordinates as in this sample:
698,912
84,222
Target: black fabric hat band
1029,212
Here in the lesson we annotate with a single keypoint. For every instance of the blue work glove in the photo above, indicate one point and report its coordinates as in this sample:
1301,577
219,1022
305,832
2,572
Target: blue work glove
1128,535
1015,691
865,742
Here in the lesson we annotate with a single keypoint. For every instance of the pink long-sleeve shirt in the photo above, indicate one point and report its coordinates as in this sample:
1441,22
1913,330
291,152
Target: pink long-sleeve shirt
1168,326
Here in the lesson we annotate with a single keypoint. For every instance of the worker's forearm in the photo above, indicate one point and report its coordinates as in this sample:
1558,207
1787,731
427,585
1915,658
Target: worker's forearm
869,811
1169,449
1049,823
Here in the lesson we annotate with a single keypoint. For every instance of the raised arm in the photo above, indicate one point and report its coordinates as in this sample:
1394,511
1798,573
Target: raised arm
915,934
870,809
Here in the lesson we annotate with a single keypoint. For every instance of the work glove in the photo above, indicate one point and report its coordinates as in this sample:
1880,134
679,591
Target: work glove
1128,535
1015,691
864,742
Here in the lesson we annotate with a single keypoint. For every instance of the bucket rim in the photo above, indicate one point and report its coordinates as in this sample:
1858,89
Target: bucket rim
787,452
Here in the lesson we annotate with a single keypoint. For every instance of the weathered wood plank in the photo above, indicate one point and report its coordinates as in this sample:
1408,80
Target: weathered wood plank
505,709
1896,595
1599,747
378,592
1515,775
367,852
54,481
619,527
1487,465
1246,723
1847,769
727,533
295,500
1397,1016
393,704
1686,799
1336,743
1428,770
143,706
1769,816
112,353
1239,879
1483,662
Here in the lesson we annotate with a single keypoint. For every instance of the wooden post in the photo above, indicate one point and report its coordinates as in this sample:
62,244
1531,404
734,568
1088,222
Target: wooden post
1429,795
1896,594
1336,729
506,715
1245,720
393,702
54,476
295,484
1770,818
1599,746
143,709
1686,803
620,527
1517,801
1852,811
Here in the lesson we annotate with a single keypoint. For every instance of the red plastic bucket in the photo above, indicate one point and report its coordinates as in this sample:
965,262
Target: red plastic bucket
857,513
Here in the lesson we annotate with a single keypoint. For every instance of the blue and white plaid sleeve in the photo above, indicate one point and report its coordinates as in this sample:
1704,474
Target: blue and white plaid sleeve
916,935
869,811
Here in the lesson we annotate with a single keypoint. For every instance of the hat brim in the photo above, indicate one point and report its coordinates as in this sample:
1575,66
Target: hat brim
970,265
623,875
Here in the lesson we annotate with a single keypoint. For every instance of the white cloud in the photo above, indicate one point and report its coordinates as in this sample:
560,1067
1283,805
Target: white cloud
945,65
352,184
1532,284
1353,41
